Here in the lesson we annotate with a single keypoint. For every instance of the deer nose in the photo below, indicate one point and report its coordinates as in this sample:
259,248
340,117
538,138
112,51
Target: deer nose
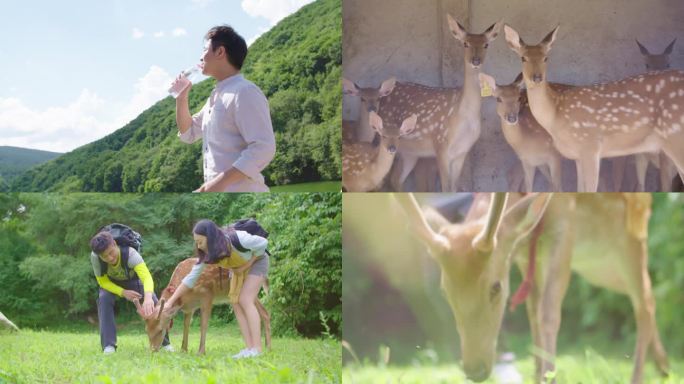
392,148
537,78
476,61
512,118
477,373
372,108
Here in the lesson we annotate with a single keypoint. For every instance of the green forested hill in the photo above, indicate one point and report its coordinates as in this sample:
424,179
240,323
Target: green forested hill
298,66
14,161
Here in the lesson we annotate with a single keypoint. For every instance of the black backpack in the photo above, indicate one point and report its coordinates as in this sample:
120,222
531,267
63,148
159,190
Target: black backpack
250,226
125,238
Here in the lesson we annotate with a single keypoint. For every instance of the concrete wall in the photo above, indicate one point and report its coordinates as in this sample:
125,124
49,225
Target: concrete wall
409,39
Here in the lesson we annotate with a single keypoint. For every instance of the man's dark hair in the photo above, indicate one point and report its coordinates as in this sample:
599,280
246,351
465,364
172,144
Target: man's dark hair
226,37
100,242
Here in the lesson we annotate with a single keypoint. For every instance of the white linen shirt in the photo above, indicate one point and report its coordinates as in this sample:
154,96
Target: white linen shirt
236,131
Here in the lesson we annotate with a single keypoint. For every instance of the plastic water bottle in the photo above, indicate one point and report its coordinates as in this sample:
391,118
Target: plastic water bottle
504,371
188,76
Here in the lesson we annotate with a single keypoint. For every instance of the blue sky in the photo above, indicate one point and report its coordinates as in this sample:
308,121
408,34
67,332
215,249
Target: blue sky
73,71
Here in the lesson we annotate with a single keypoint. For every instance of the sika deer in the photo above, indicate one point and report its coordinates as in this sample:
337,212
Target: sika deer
365,166
571,232
211,288
448,118
643,113
529,140
370,99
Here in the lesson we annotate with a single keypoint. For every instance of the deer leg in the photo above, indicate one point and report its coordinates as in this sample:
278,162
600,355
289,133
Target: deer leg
556,277
533,314
266,320
643,304
641,168
515,178
205,314
674,152
529,176
556,178
187,319
580,177
455,168
667,173
404,165
618,167
590,164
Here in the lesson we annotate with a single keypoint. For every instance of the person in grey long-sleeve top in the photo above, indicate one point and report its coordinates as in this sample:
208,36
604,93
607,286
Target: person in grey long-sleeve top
234,124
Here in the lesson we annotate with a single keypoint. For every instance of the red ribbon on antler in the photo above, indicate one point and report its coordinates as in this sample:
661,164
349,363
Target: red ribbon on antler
524,289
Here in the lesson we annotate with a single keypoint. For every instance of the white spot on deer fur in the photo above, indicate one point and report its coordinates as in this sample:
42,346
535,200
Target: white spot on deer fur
676,127
681,92
675,107
575,124
648,87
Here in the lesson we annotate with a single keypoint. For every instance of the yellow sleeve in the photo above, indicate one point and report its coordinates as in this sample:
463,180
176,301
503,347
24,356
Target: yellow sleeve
144,276
106,284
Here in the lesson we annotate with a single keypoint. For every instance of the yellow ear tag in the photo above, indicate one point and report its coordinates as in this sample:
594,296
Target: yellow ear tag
485,89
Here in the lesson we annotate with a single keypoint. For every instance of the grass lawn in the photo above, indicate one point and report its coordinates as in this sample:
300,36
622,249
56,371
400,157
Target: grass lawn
49,356
322,186
571,369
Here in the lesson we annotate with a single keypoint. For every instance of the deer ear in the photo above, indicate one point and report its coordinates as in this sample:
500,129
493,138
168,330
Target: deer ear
669,48
526,214
408,125
456,29
488,80
513,39
161,308
375,121
349,87
642,49
518,82
492,32
550,38
387,86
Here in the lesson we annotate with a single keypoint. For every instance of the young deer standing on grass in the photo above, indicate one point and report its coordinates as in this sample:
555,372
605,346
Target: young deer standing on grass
370,101
532,144
211,289
643,113
571,232
448,118
364,166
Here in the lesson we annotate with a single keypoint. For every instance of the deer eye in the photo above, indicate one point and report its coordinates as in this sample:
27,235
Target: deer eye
495,290
466,45
545,59
486,45
498,99
524,59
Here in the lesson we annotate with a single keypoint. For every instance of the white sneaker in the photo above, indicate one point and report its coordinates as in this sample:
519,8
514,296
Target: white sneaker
252,353
168,348
241,354
109,350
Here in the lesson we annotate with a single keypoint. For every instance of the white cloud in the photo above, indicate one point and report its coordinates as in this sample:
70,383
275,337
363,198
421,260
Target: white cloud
179,32
273,10
137,33
88,118
158,34
149,89
57,129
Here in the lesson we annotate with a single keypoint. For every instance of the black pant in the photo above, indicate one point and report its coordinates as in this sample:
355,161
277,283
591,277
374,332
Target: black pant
105,311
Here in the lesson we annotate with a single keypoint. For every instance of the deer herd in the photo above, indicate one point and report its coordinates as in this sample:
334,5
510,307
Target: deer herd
401,123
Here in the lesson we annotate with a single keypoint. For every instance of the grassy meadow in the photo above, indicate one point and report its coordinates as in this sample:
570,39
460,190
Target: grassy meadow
74,356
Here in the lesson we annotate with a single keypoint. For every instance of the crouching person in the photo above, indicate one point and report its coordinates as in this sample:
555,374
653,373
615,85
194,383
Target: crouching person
120,272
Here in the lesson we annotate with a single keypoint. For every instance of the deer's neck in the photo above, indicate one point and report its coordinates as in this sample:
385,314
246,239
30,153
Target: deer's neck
512,132
470,101
383,160
543,104
365,132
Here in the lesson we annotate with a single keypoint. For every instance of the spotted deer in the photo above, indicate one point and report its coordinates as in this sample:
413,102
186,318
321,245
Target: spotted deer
532,144
643,113
448,118
364,166
370,100
211,289
547,237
